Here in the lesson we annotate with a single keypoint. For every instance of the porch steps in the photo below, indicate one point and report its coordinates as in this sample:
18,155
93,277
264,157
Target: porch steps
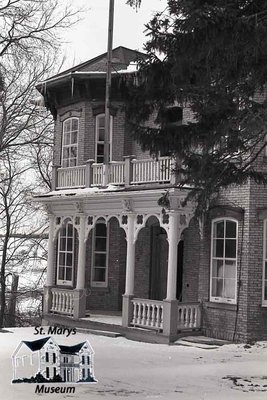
99,332
202,342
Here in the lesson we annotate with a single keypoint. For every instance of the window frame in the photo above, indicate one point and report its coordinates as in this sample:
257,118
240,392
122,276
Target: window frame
103,284
264,278
219,299
65,282
97,118
64,146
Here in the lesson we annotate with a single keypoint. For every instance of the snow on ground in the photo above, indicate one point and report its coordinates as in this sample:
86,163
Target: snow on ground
138,371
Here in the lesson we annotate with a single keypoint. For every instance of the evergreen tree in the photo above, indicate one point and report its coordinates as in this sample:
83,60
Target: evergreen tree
212,55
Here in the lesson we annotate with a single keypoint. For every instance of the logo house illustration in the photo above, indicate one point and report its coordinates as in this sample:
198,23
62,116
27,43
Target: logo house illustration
44,360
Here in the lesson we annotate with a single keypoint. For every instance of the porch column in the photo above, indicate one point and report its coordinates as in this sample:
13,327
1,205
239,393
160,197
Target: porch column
173,238
81,255
127,306
47,300
80,295
170,309
50,252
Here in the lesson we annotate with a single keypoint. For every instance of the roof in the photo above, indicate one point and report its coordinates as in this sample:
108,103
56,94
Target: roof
121,57
36,344
71,349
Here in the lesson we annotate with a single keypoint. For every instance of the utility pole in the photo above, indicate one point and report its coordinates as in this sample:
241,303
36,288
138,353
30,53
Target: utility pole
107,96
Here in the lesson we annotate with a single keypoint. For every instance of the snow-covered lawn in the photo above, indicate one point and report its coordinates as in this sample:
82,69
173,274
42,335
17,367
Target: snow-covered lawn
132,370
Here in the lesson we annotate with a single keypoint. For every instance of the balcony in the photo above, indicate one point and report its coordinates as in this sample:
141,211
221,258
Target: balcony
121,173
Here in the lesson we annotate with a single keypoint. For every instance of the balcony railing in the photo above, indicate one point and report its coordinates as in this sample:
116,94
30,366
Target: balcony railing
127,172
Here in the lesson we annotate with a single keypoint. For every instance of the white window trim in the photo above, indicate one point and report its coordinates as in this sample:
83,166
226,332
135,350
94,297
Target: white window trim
69,145
96,283
60,281
98,116
264,302
222,299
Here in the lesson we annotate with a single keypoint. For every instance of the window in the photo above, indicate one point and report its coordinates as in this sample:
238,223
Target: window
83,360
70,142
47,372
88,360
100,256
223,261
100,136
54,358
65,255
264,288
47,356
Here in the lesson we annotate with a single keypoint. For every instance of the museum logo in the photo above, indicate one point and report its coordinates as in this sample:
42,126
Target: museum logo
44,361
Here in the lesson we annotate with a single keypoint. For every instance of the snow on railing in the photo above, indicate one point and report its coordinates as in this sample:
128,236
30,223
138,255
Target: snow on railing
97,174
71,177
189,316
150,170
62,301
117,172
147,313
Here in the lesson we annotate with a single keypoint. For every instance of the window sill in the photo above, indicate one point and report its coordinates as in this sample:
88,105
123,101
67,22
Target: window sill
222,306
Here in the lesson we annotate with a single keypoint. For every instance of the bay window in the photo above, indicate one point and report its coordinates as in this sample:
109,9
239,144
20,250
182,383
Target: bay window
223,260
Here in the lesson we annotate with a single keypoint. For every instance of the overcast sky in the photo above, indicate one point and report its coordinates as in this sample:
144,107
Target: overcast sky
89,37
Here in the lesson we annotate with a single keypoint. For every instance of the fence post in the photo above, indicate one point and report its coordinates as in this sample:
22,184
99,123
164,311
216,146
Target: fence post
128,174
89,173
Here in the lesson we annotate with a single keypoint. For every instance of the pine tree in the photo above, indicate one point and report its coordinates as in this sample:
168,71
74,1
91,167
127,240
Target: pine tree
212,55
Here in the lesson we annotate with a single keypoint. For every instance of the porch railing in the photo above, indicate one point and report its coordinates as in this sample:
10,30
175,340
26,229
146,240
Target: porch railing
97,174
189,316
147,313
151,170
71,177
127,172
62,301
116,171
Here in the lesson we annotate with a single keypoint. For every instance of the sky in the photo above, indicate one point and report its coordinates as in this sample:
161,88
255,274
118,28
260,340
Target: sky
89,37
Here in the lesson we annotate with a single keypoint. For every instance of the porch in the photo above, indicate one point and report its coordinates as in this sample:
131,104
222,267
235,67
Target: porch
149,319
123,173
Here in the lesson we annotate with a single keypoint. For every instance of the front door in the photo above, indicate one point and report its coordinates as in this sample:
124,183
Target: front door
158,263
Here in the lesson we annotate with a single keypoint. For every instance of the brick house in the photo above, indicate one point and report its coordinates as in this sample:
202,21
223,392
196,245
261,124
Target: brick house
114,249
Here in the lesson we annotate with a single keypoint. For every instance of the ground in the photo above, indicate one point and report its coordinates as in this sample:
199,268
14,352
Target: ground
139,371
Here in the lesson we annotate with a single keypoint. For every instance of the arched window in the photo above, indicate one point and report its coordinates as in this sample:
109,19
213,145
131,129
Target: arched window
99,271
100,137
223,260
65,261
70,142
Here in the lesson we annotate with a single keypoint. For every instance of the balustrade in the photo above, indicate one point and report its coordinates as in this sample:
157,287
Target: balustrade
62,301
137,172
147,313
189,316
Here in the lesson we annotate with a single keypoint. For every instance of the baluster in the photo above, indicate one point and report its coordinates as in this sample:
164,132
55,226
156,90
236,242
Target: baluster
186,317
53,301
161,317
148,319
139,313
56,301
157,317
143,314
190,317
134,313
153,319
